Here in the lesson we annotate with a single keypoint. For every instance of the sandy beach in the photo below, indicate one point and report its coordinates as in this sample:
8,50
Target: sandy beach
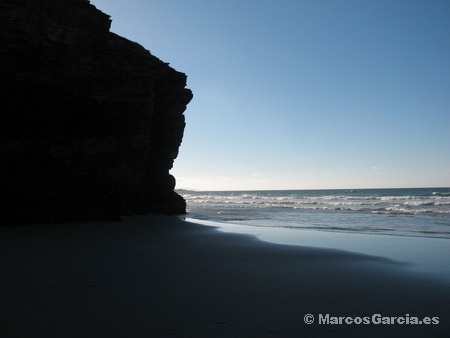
157,276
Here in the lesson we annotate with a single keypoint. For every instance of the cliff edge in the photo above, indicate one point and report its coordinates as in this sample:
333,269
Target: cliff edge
90,122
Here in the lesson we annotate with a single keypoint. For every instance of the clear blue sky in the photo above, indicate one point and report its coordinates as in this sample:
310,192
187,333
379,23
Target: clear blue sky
300,94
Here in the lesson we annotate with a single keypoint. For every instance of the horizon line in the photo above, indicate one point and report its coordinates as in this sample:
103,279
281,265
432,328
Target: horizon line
304,189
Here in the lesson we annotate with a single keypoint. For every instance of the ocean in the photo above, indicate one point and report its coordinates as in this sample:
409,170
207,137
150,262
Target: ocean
421,212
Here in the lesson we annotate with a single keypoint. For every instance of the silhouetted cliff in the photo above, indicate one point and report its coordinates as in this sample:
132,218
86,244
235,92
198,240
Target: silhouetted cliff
90,122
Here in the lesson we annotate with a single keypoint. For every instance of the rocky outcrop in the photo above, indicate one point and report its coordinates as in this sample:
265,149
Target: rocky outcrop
90,122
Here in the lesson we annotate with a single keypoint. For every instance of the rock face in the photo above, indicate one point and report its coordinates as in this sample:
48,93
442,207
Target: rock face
90,122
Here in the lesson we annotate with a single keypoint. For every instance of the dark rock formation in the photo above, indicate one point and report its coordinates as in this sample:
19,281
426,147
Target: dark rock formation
90,122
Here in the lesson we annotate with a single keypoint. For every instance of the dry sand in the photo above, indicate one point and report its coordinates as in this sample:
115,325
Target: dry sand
157,276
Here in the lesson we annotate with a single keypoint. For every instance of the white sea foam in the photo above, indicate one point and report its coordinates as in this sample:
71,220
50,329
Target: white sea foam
369,203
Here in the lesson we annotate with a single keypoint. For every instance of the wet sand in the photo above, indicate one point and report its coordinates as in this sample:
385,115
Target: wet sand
157,276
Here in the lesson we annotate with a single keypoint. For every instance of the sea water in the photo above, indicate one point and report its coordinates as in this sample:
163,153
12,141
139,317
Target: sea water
423,212
406,225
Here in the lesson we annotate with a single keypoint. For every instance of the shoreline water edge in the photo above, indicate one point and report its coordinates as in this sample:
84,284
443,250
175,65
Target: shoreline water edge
424,255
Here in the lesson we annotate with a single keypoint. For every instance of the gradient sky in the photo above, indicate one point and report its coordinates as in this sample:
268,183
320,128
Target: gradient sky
304,94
